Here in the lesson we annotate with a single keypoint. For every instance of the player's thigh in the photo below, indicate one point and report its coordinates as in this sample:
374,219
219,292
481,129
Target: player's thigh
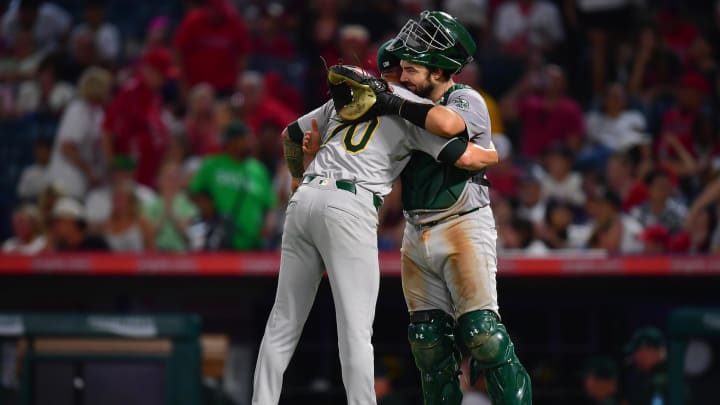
301,267
423,285
348,246
465,250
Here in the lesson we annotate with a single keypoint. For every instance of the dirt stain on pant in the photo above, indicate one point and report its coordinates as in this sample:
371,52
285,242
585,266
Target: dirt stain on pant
465,278
412,282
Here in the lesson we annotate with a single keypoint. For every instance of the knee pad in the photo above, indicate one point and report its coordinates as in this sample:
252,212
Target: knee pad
432,344
486,338
493,354
431,339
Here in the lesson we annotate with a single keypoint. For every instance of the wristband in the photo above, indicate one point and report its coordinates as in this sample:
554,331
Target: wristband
415,112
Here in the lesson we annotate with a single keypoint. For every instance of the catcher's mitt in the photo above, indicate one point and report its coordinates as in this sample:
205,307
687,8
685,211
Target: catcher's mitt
355,93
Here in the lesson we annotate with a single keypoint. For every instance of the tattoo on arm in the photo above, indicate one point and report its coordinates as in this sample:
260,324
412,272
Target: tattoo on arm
293,157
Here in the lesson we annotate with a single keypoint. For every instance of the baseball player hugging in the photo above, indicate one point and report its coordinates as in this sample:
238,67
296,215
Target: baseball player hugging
331,223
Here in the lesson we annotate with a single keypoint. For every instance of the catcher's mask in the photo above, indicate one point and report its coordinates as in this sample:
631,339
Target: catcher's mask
352,99
436,39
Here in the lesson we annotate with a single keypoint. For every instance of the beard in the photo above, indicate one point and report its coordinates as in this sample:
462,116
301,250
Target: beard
423,89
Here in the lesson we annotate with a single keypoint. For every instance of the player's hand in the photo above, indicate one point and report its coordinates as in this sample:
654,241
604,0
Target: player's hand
311,140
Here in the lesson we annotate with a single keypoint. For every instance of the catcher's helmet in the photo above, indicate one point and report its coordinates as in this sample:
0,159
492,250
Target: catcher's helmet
437,39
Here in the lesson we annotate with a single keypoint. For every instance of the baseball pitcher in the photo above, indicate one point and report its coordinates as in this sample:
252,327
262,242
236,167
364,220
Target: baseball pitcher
331,224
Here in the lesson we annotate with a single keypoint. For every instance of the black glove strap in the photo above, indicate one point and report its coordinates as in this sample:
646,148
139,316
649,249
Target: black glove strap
415,112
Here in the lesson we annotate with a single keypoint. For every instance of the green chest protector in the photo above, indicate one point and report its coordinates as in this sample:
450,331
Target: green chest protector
428,184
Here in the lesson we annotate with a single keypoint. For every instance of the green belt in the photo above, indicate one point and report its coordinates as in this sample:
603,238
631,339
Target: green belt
447,218
347,186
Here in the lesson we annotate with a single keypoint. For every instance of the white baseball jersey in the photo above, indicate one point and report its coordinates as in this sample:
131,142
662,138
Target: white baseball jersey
372,153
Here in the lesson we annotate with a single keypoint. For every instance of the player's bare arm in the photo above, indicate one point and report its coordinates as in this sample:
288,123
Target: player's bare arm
293,152
476,157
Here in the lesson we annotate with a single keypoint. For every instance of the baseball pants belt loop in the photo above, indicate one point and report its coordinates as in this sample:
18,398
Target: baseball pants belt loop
447,218
347,186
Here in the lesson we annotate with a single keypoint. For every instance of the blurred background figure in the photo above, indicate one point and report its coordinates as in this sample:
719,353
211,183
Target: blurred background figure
99,202
523,25
28,238
240,187
172,213
212,46
105,36
69,231
127,230
647,379
601,381
75,162
549,116
202,129
48,22
384,385
614,127
661,208
133,123
35,178
612,230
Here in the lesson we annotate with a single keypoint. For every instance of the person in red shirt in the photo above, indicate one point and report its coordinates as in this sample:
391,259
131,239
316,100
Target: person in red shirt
675,144
212,43
133,122
548,116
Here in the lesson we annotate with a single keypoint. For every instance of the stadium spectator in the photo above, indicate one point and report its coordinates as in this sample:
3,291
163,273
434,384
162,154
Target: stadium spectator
661,208
531,204
202,129
270,47
45,96
604,23
615,127
105,36
646,382
470,75
210,232
559,230
612,230
655,68
675,146
601,381
354,47
521,25
133,122
20,61
521,235
27,227
698,236
76,163
48,22
621,177
504,176
69,233
548,116
385,393
173,212
240,187
35,178
655,239
212,45
252,105
558,181
127,230
99,201
158,33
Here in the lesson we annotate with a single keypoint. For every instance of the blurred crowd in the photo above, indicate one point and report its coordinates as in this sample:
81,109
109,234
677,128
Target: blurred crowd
604,114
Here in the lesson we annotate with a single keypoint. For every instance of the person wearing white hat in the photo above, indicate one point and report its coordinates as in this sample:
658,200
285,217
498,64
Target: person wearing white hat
69,231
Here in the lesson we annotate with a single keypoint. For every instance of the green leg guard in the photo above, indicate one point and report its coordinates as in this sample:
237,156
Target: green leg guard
493,354
432,344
